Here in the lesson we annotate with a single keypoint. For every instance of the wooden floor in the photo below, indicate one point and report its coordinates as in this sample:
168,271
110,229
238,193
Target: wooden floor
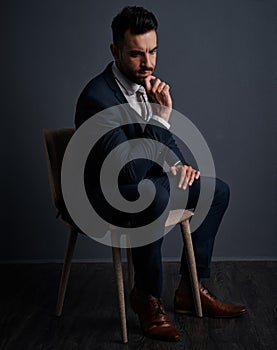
90,316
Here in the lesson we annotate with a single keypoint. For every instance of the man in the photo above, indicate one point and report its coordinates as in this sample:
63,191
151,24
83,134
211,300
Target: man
130,79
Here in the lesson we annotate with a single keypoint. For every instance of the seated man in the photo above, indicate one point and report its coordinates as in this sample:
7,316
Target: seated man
129,79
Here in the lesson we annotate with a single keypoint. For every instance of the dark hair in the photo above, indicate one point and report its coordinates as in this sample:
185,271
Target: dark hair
135,18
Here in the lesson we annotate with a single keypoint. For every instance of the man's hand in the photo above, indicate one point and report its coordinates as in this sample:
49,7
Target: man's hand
158,93
187,175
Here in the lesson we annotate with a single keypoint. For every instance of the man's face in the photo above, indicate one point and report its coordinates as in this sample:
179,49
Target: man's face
136,55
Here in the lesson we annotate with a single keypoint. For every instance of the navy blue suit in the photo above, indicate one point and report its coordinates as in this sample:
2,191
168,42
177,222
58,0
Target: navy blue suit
101,93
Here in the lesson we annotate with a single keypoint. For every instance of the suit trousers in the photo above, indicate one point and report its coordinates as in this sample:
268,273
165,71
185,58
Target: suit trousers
148,259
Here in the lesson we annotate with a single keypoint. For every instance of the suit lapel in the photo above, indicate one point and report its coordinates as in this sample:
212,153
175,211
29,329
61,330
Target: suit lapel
109,77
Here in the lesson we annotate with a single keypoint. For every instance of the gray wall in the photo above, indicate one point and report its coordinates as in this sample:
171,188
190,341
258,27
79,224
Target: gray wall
219,57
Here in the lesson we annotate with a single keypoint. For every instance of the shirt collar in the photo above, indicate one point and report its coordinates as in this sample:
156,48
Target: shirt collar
130,87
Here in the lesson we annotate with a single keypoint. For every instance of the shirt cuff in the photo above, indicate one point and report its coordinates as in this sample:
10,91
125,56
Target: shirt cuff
161,120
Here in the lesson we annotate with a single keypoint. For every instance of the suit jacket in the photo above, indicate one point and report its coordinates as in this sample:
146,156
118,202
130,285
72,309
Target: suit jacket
100,94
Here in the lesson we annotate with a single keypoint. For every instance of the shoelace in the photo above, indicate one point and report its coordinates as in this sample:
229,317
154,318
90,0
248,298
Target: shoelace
159,307
207,292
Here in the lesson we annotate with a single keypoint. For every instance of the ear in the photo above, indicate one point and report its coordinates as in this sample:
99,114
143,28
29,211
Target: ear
115,51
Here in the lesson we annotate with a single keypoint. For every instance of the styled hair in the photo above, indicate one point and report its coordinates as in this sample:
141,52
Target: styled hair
137,19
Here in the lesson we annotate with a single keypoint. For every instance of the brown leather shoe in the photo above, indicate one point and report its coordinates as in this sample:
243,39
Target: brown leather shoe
211,306
152,316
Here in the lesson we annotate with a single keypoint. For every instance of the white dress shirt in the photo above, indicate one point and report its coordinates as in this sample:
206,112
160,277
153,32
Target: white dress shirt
135,93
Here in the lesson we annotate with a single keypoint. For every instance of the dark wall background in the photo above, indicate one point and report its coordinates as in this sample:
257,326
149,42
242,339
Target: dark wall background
219,57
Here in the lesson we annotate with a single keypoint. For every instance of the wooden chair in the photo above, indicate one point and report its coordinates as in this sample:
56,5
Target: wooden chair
55,142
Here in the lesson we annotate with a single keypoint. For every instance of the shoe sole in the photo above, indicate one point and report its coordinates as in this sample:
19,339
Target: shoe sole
173,340
186,312
183,312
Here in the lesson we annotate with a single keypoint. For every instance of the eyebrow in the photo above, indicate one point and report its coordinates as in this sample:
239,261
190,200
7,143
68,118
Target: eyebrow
138,50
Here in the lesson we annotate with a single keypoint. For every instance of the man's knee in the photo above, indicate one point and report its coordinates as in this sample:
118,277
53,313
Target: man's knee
161,200
222,191
158,206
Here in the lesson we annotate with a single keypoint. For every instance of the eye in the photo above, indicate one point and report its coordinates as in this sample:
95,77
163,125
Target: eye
134,53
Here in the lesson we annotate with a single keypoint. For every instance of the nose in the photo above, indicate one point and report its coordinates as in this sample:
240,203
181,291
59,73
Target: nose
146,62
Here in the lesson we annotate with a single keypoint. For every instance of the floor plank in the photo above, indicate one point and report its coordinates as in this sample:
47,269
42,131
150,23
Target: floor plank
90,317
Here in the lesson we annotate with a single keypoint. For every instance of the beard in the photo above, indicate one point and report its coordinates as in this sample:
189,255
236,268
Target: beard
139,76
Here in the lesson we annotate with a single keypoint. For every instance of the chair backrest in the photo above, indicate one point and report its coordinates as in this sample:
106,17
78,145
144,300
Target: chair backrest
55,142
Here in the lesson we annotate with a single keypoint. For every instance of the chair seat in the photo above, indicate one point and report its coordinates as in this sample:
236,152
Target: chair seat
176,216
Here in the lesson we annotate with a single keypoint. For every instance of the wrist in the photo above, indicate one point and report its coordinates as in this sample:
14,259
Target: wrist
163,112
180,163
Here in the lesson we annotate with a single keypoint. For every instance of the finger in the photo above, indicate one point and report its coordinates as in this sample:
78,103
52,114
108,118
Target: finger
166,96
192,178
188,177
147,82
155,85
195,176
161,87
182,177
173,170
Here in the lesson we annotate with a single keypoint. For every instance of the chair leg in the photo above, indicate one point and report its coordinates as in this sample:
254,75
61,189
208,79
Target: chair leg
66,269
130,268
120,290
185,226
